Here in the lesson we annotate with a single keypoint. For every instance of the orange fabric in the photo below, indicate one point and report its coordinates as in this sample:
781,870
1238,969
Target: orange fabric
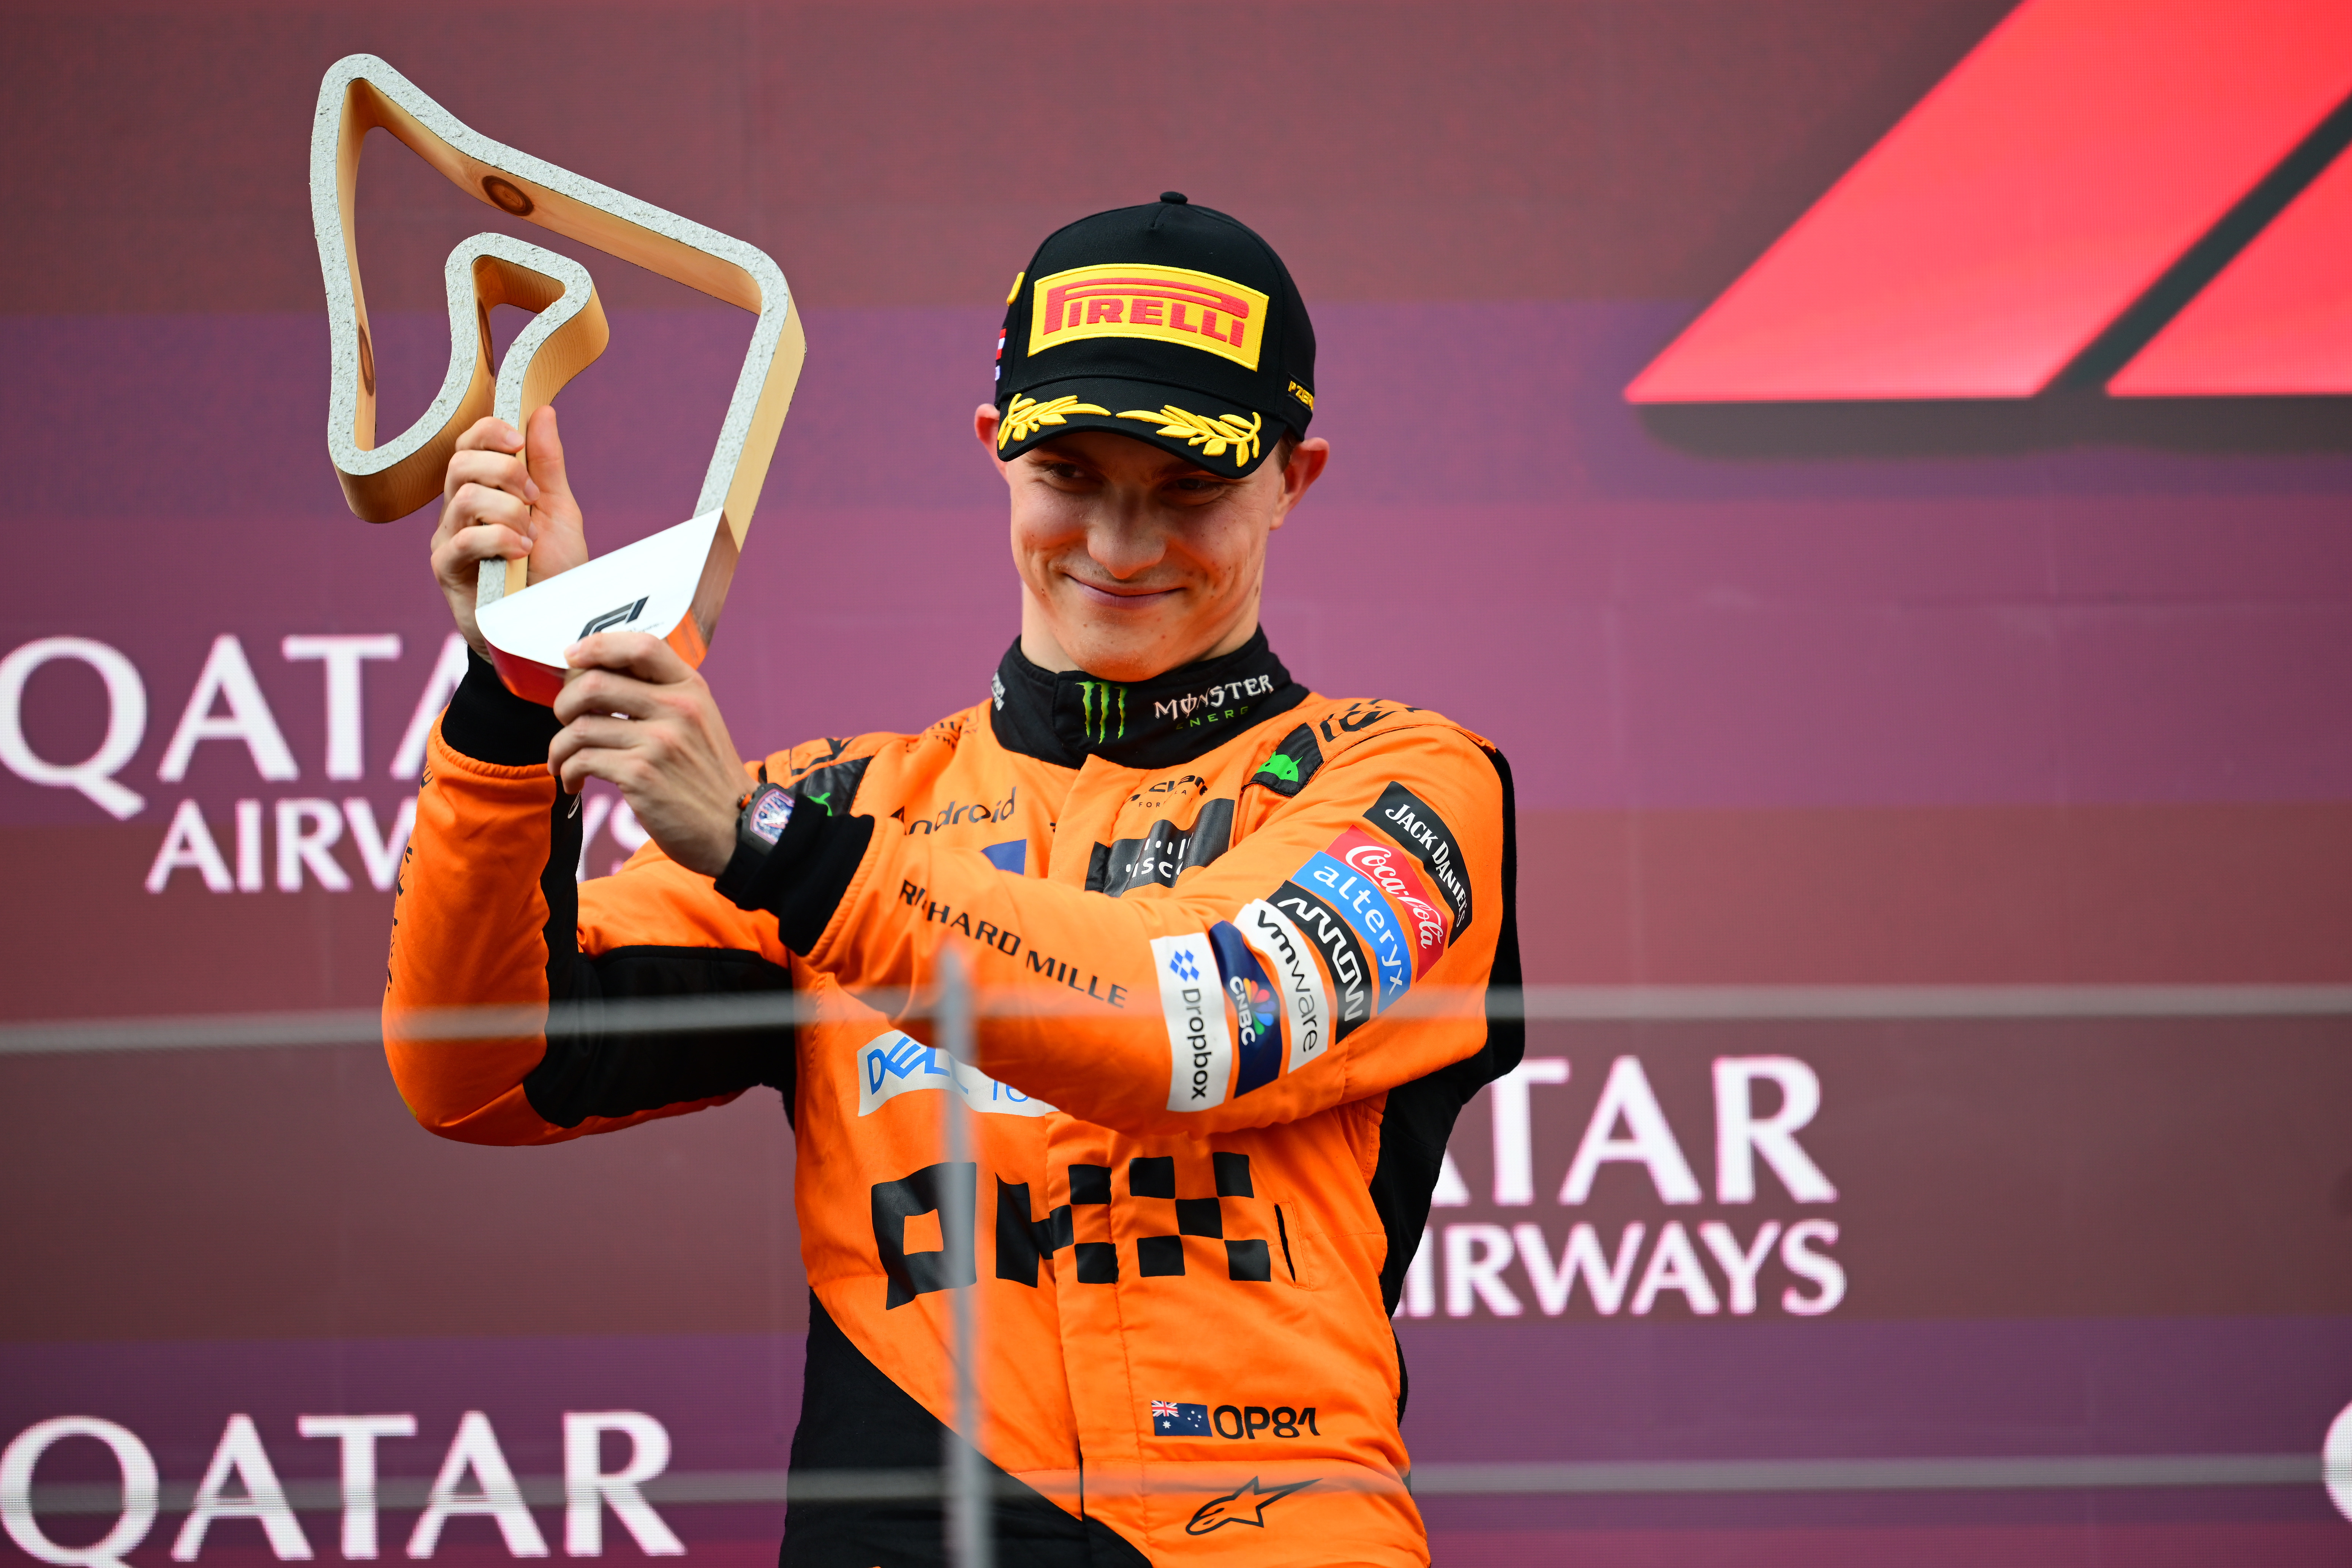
1301,1358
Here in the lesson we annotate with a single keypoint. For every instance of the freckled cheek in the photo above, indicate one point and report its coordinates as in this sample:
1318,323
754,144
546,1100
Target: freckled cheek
1043,532
1225,557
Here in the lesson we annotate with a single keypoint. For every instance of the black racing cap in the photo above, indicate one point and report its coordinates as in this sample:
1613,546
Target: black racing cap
1172,323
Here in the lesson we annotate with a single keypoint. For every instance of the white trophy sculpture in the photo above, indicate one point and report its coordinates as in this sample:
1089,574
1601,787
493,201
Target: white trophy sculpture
671,584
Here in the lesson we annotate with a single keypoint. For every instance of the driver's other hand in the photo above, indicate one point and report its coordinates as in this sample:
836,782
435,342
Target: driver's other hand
637,716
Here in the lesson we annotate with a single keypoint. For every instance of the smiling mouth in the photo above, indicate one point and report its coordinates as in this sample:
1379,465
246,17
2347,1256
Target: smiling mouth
1117,593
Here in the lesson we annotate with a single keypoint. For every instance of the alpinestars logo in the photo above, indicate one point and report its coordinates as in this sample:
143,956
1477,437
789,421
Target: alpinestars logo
1245,1504
1103,706
2145,197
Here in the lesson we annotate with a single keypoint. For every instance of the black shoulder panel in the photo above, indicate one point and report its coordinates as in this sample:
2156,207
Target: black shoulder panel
590,1070
1293,762
834,787
853,1417
1420,1115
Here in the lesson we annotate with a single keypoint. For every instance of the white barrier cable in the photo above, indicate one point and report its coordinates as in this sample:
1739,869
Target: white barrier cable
1613,1477
1534,1004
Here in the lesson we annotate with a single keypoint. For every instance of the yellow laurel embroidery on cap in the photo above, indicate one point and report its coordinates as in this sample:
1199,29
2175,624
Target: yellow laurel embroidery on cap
1024,415
1296,391
1014,293
1212,435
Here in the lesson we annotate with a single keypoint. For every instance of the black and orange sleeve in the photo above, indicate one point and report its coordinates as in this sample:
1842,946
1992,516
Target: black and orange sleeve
489,913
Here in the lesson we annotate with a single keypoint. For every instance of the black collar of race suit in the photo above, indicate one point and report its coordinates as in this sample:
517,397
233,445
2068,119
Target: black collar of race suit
1069,716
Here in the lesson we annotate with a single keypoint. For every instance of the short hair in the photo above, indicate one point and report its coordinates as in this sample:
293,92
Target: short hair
1284,446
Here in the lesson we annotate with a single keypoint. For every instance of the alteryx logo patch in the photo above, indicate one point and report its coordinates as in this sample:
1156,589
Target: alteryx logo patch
1199,1046
893,1064
1162,304
1360,903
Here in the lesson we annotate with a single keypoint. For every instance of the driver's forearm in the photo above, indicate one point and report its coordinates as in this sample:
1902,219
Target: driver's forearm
489,915
469,927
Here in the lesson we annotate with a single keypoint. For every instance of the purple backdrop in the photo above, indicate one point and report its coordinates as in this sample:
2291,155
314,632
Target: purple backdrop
2048,694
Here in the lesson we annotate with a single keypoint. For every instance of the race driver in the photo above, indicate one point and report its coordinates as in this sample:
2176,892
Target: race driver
1205,1153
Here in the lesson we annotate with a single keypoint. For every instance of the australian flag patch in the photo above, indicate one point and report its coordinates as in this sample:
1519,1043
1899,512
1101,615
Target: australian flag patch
1169,1419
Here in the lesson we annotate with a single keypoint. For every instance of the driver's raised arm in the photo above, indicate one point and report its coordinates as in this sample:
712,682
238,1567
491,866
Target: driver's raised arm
488,912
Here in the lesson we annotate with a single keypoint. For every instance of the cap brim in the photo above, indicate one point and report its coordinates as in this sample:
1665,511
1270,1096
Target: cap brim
1219,438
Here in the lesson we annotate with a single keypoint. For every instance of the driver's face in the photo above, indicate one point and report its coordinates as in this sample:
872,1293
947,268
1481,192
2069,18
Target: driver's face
1134,561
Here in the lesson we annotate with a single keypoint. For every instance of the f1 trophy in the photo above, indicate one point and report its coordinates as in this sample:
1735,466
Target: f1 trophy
672,584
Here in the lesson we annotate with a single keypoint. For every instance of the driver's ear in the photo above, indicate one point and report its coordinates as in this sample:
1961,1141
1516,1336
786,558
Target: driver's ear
1299,474
985,422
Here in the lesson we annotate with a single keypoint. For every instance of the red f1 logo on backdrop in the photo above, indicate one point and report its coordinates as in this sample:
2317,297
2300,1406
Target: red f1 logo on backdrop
2057,177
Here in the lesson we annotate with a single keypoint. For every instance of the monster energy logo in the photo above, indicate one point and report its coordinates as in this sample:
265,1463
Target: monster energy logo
1104,707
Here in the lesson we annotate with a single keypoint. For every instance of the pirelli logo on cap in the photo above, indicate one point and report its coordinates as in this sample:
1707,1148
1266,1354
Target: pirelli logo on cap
1164,304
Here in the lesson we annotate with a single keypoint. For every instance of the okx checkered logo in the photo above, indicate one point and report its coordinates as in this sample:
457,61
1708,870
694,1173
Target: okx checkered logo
1203,1217
1226,1202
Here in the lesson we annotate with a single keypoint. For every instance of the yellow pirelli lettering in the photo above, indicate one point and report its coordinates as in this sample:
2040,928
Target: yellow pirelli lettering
1163,304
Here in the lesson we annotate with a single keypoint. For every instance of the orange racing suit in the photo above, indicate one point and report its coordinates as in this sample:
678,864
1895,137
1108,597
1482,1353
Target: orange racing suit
1201,1172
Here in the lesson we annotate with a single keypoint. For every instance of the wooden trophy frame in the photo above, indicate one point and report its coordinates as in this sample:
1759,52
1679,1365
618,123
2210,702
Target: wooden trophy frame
672,584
